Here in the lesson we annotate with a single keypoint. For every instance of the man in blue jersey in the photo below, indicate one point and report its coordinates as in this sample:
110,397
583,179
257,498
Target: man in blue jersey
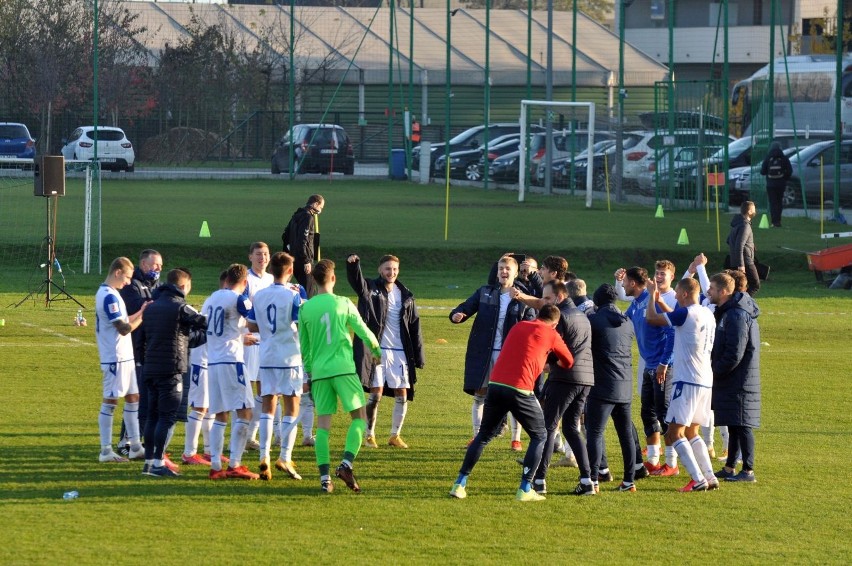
695,329
115,347
655,351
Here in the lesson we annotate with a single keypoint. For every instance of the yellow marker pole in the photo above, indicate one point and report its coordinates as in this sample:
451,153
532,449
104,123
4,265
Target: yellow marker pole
707,193
316,229
821,197
447,202
606,180
718,232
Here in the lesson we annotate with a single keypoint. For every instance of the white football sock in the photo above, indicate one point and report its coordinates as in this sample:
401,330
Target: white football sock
239,436
516,428
265,429
699,450
654,454
289,429
400,407
105,425
169,436
276,422
193,427
206,426
217,444
131,422
723,432
671,457
476,410
254,423
306,418
684,450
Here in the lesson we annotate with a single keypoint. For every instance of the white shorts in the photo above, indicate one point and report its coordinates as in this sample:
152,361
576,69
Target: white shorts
199,389
281,381
251,355
690,404
229,388
392,371
120,379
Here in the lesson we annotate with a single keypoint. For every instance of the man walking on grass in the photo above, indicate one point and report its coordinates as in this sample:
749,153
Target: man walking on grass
324,325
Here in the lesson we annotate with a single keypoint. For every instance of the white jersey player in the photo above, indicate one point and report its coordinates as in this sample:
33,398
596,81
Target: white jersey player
275,311
689,408
256,280
230,389
115,348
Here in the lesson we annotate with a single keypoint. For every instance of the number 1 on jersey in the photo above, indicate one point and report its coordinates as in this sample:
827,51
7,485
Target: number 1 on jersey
326,319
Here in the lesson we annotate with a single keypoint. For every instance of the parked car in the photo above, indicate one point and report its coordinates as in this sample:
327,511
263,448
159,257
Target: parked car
561,176
466,163
806,172
16,141
656,173
471,138
505,168
115,152
740,152
646,142
317,148
562,148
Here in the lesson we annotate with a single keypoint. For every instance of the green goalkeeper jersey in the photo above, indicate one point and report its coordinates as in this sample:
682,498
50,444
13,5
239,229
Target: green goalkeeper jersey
324,324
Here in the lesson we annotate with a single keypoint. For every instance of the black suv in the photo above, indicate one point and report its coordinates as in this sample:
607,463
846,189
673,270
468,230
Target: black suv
317,148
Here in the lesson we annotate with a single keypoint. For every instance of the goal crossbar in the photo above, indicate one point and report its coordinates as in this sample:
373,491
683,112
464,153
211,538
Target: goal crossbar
522,158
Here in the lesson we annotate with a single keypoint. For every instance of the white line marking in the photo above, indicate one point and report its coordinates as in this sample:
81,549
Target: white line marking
57,334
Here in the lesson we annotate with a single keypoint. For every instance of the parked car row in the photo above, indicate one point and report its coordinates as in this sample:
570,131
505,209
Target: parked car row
114,150
317,148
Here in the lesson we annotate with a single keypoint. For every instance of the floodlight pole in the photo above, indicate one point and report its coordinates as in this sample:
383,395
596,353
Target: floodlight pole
838,40
548,95
448,89
291,170
487,86
619,133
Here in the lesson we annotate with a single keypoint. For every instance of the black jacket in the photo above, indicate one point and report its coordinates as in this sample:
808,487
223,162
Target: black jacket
612,338
741,242
485,304
736,363
787,168
299,236
170,323
373,308
135,294
576,331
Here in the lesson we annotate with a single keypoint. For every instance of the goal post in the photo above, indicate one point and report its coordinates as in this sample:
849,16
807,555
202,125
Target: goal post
522,157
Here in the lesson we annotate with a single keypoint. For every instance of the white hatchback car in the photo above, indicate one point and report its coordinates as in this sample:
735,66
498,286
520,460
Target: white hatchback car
115,151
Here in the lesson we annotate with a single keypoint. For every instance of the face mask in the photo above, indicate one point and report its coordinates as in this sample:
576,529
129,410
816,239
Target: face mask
153,275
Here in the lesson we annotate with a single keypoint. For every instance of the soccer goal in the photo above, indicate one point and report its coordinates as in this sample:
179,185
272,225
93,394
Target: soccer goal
549,107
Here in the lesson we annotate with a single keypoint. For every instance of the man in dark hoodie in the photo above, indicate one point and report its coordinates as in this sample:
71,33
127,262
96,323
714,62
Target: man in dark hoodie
171,327
777,169
566,389
612,337
735,360
301,240
741,246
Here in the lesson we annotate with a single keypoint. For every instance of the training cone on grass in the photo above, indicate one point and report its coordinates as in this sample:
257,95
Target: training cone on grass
764,222
205,230
683,239
659,213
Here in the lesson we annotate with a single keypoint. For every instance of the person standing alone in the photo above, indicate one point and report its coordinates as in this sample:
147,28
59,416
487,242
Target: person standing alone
777,169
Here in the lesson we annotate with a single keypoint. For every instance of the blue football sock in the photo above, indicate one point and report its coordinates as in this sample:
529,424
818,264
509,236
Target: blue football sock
525,486
462,480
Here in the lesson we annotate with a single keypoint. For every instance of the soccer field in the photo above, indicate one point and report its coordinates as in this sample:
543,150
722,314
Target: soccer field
50,395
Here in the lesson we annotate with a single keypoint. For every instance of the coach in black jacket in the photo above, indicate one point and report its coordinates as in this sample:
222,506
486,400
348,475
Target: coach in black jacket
612,337
736,372
566,390
301,240
172,329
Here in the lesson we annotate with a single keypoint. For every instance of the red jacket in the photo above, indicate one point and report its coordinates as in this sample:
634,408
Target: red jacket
525,352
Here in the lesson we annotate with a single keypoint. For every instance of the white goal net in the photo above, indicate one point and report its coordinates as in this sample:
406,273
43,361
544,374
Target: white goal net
570,140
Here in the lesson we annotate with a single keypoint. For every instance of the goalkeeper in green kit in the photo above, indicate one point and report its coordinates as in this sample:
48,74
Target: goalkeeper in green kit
324,325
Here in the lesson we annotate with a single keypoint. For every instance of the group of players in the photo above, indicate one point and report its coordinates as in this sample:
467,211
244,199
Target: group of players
261,338
699,348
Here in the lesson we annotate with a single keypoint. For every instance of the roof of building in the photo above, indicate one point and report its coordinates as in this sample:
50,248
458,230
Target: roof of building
354,43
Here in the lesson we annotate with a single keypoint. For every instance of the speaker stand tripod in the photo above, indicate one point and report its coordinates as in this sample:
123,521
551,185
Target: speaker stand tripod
52,290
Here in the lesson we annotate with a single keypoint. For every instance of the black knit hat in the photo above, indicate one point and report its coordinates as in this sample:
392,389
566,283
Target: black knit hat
605,295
